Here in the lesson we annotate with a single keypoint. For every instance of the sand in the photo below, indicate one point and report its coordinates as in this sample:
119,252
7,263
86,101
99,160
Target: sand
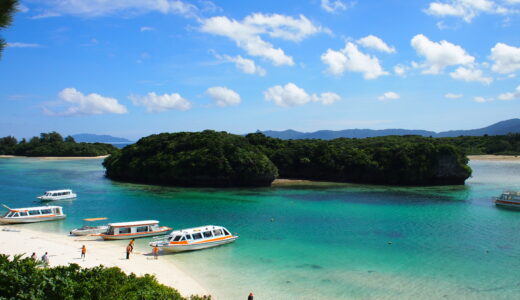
64,249
494,157
56,157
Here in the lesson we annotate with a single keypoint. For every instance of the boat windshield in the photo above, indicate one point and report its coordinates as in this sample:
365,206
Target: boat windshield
177,238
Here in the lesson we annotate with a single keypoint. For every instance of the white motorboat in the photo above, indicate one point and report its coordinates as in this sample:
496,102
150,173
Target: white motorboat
57,195
133,230
89,229
195,239
508,199
32,214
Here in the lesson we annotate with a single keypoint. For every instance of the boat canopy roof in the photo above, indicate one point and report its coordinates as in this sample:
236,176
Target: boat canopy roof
94,219
59,191
196,229
135,223
33,208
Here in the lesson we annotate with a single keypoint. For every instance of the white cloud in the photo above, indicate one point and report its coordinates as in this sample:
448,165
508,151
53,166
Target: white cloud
158,103
22,8
223,96
372,41
439,55
510,95
400,70
389,96
247,66
292,95
507,58
94,8
352,60
453,96
91,104
23,45
465,9
482,99
333,6
470,74
146,28
247,34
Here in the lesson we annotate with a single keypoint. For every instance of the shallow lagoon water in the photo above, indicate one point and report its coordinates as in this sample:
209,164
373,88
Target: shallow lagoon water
320,241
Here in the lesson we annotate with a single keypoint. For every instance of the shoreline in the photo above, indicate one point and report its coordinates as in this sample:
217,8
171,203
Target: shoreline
56,157
64,250
491,157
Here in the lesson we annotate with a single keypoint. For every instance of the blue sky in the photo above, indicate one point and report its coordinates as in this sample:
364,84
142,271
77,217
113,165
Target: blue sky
131,68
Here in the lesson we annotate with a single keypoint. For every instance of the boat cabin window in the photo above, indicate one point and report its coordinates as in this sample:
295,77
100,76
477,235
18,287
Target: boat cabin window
23,214
188,236
183,238
124,230
57,210
46,211
217,232
177,238
16,215
142,229
34,212
9,214
197,236
208,234
226,232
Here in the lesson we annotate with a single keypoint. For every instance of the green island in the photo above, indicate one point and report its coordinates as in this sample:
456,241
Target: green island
220,159
53,144
25,278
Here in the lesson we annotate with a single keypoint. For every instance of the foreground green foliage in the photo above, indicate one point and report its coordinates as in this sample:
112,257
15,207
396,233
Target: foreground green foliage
53,144
7,10
492,144
207,158
212,158
22,279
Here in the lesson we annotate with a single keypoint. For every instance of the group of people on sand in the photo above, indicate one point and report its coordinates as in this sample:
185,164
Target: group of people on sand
130,249
44,259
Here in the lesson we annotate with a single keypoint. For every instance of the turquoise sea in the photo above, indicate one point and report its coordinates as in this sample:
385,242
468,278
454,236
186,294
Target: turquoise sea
321,241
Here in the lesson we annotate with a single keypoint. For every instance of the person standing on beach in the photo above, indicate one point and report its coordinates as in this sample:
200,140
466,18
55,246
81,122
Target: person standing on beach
34,257
155,252
83,252
131,245
250,297
128,251
45,259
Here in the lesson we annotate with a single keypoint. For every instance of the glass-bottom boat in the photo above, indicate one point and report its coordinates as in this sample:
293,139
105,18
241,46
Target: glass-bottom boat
134,230
32,214
195,239
508,199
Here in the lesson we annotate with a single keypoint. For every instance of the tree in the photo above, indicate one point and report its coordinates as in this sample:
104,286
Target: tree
7,9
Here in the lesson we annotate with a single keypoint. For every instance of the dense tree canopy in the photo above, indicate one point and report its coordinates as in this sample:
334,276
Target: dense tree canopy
52,144
26,279
207,158
7,9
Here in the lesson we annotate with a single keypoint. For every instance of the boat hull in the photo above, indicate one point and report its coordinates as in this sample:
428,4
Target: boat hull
31,220
84,232
51,198
191,247
134,235
507,204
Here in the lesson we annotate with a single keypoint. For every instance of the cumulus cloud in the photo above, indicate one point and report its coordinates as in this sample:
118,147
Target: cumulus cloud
158,103
510,95
470,74
352,59
372,41
439,55
334,6
91,104
507,58
400,70
23,45
94,8
480,99
223,96
453,96
246,65
389,96
466,9
247,34
292,95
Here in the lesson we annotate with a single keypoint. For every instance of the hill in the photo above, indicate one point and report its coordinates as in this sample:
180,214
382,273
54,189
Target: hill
97,138
500,128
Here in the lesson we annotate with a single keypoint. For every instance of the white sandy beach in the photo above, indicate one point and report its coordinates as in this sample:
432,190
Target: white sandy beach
495,157
64,249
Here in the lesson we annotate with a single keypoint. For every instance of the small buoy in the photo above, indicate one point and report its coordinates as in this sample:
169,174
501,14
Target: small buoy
272,219
389,243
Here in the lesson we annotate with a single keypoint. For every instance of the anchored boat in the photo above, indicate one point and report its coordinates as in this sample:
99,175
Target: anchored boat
134,230
57,195
508,199
32,214
88,228
195,239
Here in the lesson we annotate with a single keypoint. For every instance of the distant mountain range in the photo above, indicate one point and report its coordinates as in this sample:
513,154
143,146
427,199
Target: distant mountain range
96,138
500,128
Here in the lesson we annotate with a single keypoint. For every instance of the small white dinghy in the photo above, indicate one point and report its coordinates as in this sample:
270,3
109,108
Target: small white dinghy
57,195
89,229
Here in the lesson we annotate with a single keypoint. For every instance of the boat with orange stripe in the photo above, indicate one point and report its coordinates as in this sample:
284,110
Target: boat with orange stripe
508,199
195,239
32,214
134,230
